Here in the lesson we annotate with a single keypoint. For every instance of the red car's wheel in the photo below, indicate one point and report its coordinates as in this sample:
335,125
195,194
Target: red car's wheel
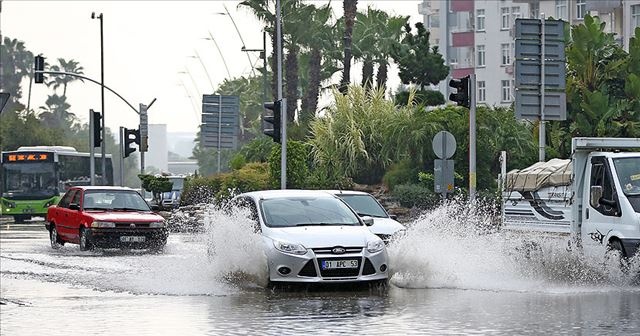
56,242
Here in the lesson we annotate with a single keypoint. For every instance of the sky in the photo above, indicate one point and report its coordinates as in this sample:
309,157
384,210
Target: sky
152,49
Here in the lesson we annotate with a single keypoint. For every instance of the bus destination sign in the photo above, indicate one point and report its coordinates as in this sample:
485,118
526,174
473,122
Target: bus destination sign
27,157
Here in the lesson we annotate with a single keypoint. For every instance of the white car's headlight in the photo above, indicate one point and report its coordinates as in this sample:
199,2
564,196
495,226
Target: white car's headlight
157,224
290,248
99,224
375,246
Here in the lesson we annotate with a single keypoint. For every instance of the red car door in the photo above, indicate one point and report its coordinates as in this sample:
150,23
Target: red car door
62,214
75,216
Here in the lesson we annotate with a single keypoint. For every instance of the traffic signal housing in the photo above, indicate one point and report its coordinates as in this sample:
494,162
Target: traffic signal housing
131,136
462,91
274,130
39,67
97,128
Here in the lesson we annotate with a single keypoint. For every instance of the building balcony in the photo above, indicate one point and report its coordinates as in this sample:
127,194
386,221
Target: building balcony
462,5
603,6
462,39
461,72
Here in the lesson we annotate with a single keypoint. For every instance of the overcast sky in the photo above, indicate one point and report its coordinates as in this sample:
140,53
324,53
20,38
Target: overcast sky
146,46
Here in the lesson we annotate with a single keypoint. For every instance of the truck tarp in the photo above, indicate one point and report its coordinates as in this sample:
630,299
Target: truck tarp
555,172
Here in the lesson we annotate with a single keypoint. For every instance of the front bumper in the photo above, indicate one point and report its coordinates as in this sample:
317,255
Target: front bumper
630,246
113,237
308,268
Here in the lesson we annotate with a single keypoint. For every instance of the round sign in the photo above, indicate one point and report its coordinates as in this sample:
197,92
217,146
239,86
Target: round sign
444,145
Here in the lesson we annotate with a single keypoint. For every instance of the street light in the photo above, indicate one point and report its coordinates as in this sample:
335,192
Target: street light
211,38
104,128
263,55
205,70
253,70
192,81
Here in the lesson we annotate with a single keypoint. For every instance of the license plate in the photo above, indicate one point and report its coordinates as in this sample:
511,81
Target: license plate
132,239
336,264
28,210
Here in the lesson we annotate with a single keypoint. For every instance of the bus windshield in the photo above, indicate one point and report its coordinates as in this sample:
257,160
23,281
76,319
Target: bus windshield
29,180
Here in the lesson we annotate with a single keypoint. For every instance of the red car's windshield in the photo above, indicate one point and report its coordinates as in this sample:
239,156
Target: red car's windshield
114,200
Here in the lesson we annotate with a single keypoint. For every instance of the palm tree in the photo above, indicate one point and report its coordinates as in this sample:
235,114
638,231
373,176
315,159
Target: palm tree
17,63
70,66
56,112
350,9
365,48
389,36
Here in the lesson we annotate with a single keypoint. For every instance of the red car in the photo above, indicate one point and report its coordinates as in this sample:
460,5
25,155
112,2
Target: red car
93,216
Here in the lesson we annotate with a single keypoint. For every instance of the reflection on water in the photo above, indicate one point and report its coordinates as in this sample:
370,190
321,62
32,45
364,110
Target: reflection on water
449,277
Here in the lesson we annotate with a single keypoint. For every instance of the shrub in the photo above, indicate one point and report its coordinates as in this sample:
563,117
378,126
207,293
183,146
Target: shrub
410,195
400,173
298,158
424,97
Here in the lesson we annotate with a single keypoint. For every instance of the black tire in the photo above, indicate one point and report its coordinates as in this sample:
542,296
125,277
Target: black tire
86,242
616,245
55,240
616,250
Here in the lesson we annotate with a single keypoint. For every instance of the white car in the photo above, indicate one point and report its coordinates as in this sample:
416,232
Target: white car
314,237
364,204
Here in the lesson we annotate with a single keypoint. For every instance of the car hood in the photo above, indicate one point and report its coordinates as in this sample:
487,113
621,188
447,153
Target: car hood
125,216
323,236
385,226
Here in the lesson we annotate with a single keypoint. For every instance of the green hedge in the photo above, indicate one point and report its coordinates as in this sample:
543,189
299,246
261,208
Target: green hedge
219,187
425,98
410,195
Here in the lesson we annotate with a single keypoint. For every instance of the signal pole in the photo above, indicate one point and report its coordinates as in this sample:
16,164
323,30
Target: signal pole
283,157
472,138
92,155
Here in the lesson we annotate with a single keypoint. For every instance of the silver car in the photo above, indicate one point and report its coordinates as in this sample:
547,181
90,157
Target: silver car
314,237
384,225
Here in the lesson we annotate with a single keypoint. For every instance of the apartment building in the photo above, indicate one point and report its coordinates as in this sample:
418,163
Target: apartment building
479,36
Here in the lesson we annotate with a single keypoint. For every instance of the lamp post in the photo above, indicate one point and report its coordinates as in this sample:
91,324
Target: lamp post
205,70
253,70
104,129
263,55
195,86
211,38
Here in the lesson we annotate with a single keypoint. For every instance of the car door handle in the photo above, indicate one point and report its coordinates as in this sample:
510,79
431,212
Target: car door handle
587,214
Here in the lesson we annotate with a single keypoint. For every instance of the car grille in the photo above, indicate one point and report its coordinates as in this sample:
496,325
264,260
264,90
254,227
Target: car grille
340,272
136,225
329,250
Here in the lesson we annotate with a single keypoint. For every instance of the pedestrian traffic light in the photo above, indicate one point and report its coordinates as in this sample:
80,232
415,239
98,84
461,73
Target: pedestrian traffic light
39,67
462,91
97,128
275,120
131,136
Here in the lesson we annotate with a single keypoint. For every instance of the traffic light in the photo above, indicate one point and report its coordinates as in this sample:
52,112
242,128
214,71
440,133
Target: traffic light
38,67
275,120
131,136
462,91
97,128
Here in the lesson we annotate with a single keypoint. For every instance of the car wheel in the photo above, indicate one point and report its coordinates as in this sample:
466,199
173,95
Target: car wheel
615,252
56,242
85,240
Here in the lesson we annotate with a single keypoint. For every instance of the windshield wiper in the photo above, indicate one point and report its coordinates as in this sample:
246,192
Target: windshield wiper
370,215
324,224
103,209
128,209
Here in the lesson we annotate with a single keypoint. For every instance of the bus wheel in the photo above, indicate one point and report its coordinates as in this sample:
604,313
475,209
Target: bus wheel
56,242
20,219
85,240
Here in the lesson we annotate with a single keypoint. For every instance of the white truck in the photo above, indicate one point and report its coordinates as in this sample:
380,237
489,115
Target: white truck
594,198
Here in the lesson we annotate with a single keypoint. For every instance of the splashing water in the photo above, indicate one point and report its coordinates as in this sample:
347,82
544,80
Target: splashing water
453,246
234,248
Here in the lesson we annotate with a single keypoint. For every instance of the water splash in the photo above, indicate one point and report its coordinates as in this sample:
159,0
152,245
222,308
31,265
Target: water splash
455,246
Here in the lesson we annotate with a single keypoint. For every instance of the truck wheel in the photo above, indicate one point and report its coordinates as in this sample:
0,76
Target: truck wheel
56,242
85,240
616,245
615,252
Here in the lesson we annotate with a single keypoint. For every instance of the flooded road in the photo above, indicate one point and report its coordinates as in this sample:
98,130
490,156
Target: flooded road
446,280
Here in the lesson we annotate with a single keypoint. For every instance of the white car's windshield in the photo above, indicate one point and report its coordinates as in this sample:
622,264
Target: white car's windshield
114,200
304,211
365,205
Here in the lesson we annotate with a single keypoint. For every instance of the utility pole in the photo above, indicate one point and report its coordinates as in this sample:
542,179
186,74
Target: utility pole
283,157
472,138
121,156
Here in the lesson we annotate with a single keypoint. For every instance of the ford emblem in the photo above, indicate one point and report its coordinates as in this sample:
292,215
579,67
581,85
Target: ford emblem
338,250
132,225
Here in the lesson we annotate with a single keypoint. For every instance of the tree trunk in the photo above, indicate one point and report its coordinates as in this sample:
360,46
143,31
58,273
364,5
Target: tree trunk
350,8
291,67
367,74
310,100
381,79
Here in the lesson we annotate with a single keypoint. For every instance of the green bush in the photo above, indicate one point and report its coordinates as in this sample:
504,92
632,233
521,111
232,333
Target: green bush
400,173
424,98
219,187
298,158
410,195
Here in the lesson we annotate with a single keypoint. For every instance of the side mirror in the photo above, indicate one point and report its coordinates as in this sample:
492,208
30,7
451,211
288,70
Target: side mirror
394,217
154,207
595,195
368,220
74,206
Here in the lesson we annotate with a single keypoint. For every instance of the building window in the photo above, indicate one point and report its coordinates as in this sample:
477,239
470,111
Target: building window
482,92
480,20
506,53
635,16
506,90
505,18
561,10
534,10
434,19
581,9
515,13
481,54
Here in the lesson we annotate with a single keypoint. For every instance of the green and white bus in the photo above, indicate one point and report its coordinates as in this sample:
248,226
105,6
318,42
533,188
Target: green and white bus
33,178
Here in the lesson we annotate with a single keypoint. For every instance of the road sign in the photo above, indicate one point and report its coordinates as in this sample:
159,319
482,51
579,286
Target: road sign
443,176
528,104
444,145
530,29
220,121
528,74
